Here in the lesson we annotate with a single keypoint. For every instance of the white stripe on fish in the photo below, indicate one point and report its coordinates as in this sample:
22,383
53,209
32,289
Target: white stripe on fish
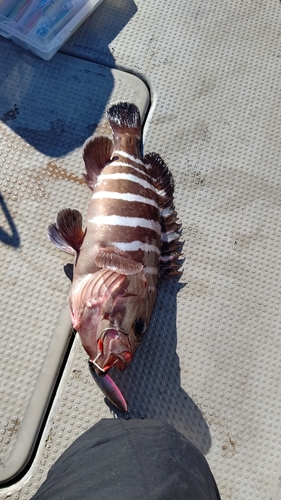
129,165
117,220
134,246
101,195
132,178
130,157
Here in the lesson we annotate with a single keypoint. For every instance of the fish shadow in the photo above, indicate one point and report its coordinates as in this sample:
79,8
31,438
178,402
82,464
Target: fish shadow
56,105
151,384
12,237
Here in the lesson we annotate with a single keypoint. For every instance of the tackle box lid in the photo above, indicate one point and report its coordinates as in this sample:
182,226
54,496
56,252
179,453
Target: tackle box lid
43,26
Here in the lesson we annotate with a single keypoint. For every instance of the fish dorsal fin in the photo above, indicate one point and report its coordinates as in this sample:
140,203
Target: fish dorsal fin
161,177
67,233
97,153
111,258
170,228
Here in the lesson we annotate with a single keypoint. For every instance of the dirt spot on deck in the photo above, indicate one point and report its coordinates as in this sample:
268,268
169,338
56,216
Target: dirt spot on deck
59,173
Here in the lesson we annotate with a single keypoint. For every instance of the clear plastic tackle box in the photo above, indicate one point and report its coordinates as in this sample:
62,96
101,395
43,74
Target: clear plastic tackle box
43,26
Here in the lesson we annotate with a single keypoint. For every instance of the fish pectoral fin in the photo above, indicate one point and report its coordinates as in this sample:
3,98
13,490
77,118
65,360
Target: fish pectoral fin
97,153
110,258
56,238
69,227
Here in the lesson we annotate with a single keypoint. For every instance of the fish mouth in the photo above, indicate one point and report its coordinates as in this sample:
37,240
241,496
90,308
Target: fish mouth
113,350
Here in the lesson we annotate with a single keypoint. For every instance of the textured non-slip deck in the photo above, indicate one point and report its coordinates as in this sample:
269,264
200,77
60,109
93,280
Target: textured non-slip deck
210,362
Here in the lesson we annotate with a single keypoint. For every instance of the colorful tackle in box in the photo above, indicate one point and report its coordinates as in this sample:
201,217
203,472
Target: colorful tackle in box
43,26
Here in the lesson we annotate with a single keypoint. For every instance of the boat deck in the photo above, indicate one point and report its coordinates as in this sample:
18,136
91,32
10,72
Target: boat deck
206,77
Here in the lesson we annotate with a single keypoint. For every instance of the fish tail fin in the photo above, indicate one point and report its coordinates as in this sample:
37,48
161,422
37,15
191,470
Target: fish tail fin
124,118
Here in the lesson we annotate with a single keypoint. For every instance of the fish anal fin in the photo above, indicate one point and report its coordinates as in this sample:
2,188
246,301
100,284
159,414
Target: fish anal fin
56,238
97,153
69,225
110,258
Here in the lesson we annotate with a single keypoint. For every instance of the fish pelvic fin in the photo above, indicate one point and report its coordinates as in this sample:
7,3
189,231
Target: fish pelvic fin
170,227
67,233
124,118
97,153
111,258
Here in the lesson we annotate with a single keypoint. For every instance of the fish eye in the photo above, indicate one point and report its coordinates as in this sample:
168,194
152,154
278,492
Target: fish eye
139,327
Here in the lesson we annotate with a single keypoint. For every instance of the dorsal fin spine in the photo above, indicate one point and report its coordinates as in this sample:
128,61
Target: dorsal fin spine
170,228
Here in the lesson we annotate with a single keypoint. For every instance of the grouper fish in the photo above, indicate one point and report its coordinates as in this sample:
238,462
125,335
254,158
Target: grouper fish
130,239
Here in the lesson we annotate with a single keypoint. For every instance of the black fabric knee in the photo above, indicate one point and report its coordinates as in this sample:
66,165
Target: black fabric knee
140,459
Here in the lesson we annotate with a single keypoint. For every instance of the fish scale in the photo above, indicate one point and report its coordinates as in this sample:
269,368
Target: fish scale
131,237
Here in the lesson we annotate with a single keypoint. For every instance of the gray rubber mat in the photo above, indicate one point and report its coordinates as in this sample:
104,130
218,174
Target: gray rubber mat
47,112
210,363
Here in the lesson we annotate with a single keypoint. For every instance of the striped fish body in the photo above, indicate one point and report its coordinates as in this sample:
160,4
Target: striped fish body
131,238
123,221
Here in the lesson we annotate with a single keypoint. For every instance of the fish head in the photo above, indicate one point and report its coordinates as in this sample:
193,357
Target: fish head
112,317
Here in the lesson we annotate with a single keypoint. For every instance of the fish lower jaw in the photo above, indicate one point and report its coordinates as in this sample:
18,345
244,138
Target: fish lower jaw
120,361
113,349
